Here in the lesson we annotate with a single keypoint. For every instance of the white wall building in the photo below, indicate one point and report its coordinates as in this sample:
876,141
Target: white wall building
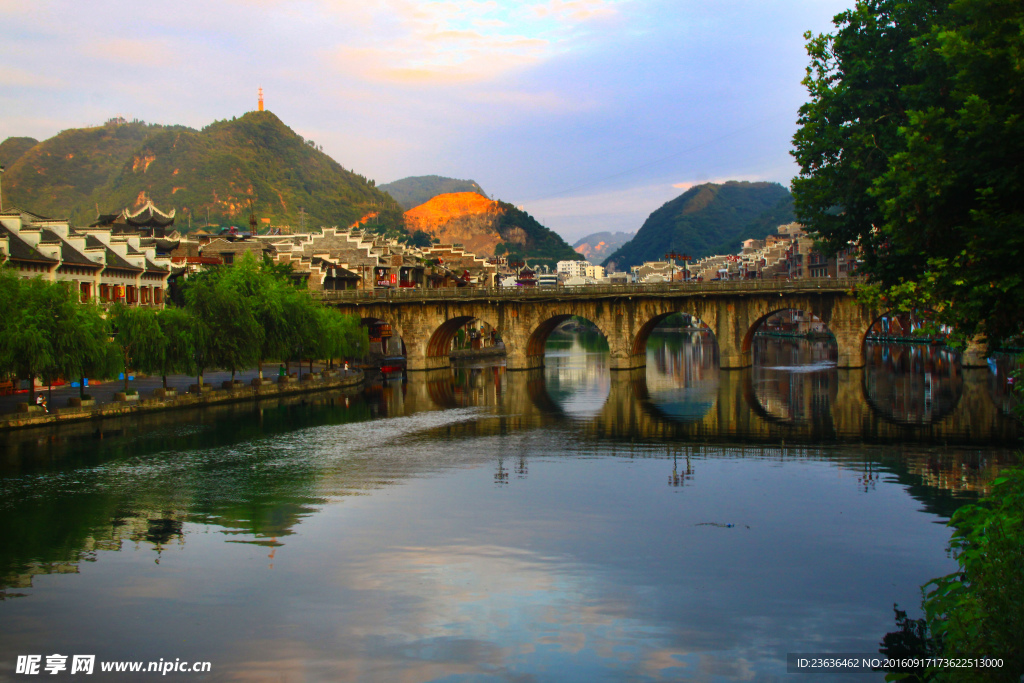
573,268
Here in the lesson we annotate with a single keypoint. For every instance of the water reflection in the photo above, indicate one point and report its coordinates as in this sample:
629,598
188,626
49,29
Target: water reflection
795,380
494,525
913,383
576,375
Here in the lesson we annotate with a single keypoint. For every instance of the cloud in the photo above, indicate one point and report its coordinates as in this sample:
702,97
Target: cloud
14,77
445,43
132,51
575,10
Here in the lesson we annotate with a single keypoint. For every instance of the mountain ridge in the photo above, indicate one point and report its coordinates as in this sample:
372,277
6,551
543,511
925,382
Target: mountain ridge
415,191
706,220
207,176
488,227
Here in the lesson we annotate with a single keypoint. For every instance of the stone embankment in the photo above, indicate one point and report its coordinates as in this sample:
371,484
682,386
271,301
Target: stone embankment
170,399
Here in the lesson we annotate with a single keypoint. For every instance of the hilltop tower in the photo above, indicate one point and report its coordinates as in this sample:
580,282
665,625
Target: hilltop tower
261,99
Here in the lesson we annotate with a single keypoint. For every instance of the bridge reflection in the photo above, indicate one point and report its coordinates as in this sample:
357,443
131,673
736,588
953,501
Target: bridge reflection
794,394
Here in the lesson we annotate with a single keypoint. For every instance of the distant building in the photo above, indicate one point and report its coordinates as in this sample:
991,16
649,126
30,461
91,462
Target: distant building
572,268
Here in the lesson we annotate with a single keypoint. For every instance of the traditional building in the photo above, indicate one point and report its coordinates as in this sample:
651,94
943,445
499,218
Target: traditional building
148,221
97,264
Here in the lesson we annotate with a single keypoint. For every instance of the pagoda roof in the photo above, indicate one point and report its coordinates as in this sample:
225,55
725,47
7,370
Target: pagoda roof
149,216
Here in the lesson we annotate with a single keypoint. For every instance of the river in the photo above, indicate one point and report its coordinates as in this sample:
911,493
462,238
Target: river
472,524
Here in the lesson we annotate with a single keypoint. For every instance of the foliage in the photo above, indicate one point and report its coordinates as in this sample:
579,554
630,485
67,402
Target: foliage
910,147
706,220
46,333
138,336
415,190
223,303
84,349
233,318
420,239
178,328
977,611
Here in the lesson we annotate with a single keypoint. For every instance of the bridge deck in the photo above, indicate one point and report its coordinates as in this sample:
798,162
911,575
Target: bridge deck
735,287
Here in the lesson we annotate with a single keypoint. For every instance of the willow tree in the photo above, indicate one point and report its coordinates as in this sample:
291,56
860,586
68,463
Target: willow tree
138,336
177,353
229,334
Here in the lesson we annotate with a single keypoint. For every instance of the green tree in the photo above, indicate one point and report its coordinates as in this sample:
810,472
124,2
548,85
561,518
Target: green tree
84,348
910,147
138,336
178,328
37,317
226,334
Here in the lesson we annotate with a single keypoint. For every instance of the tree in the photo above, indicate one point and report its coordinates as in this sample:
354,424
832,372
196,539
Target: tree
178,328
37,316
227,332
910,147
84,348
138,336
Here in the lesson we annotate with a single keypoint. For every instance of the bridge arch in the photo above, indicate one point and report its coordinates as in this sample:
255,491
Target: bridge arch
439,344
639,346
392,344
537,342
816,325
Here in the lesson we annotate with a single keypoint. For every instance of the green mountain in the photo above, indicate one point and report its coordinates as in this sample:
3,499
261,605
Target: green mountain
12,149
415,190
706,220
213,175
57,177
525,239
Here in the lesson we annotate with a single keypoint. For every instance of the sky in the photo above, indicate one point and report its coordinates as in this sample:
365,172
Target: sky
590,114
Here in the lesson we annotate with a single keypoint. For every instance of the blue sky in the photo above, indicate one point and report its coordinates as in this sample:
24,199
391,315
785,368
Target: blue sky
588,113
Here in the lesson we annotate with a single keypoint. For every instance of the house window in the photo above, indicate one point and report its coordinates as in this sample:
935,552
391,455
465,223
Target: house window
158,295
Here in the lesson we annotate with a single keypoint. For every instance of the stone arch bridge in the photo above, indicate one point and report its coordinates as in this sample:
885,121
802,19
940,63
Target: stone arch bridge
428,319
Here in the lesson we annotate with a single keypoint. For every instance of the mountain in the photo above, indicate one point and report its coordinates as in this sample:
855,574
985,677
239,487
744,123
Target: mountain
487,228
213,172
706,220
57,177
417,190
12,149
595,247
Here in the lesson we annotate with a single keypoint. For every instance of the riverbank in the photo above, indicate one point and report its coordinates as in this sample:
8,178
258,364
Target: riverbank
170,399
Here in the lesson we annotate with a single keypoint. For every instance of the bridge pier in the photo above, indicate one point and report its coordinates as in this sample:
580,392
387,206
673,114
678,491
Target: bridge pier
627,362
732,359
416,362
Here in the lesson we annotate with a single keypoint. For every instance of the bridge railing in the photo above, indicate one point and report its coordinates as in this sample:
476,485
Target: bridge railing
588,291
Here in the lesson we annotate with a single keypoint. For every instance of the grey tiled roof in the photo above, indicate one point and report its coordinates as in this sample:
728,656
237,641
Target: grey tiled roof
68,253
22,250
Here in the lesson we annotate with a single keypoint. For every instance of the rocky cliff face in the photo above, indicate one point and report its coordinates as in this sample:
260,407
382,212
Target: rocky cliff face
464,218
